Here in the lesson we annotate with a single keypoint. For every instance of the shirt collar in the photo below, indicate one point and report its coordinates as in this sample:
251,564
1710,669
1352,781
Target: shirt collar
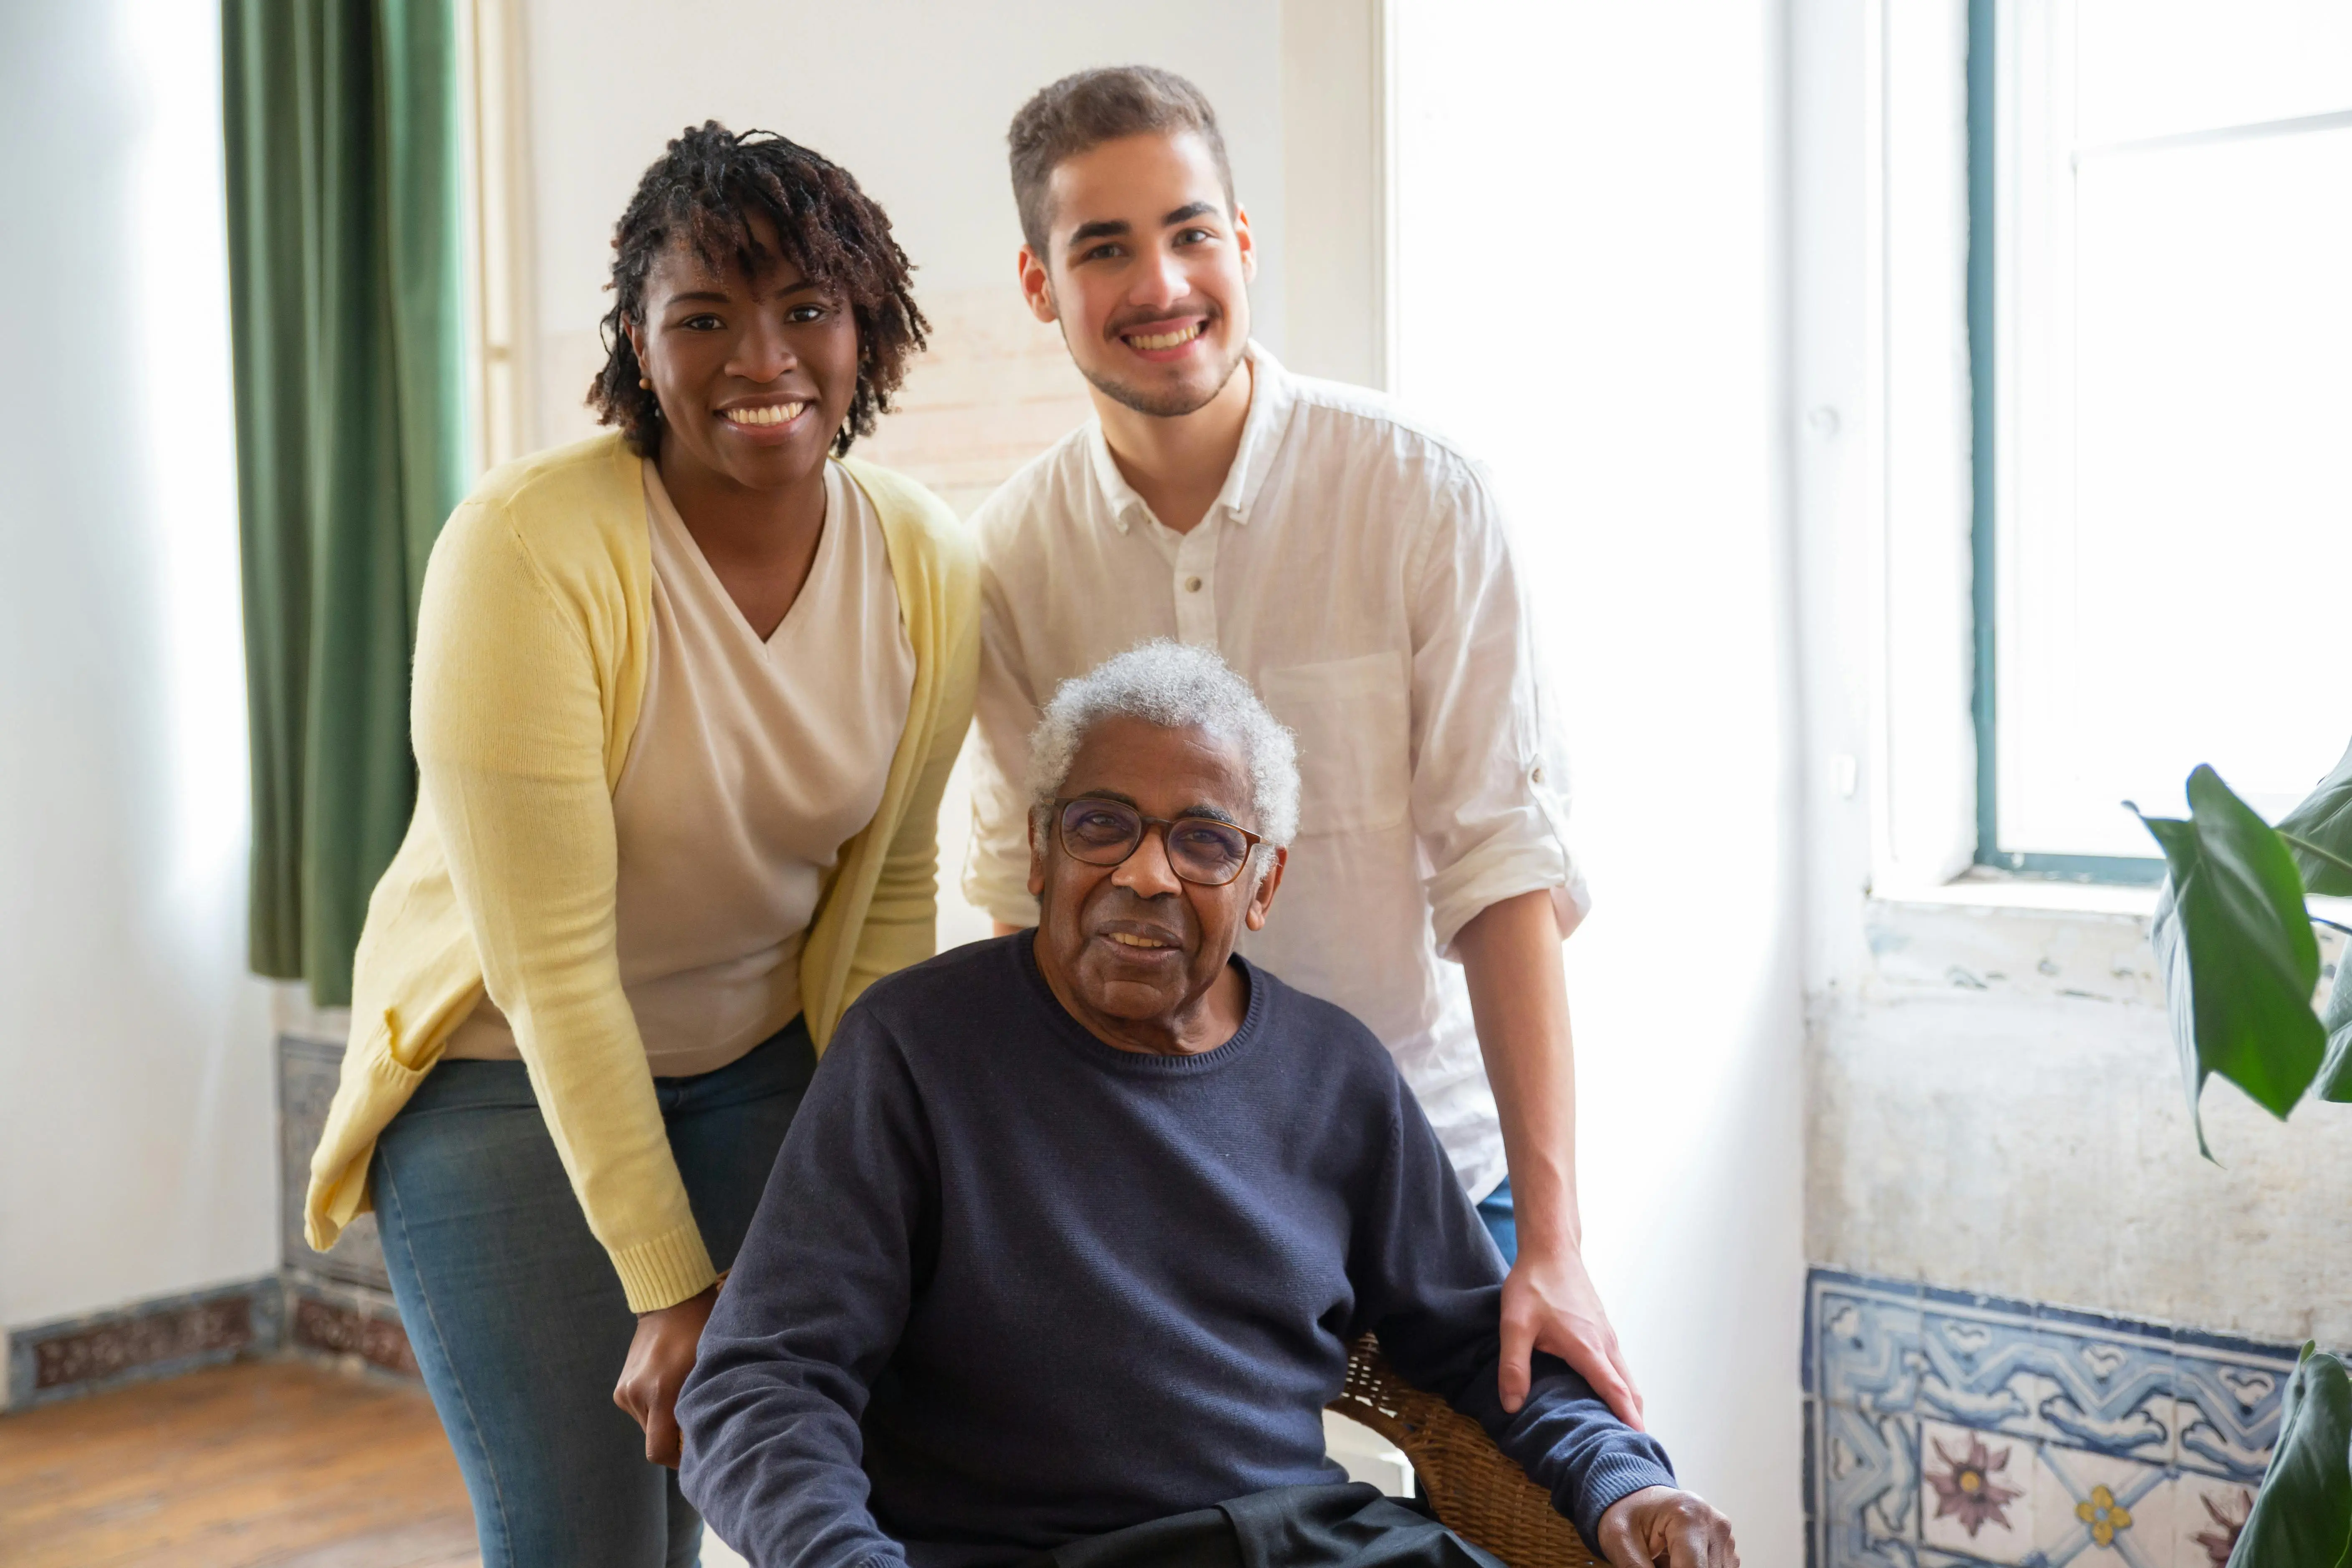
1271,397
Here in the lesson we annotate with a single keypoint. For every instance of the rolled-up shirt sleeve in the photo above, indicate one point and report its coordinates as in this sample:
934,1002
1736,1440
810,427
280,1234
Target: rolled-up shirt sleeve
1490,775
1005,711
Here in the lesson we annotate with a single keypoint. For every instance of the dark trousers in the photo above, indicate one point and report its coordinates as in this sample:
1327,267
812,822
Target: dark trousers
1343,1525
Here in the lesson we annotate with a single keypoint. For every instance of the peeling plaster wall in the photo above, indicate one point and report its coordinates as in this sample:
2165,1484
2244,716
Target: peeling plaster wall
1995,1105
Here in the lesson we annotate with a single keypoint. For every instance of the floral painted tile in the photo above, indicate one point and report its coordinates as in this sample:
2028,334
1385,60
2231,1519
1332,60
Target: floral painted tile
1976,1494
2207,1515
2095,1510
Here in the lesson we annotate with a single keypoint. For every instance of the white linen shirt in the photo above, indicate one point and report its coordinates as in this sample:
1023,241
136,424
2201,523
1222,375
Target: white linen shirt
1354,569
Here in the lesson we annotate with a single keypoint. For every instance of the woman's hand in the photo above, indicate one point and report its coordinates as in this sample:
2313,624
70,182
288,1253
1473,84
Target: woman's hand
659,1358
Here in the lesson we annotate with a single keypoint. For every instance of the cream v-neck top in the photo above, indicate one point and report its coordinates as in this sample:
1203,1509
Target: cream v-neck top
753,763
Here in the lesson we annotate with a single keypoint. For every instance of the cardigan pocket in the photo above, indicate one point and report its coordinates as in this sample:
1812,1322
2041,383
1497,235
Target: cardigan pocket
401,1059
375,1085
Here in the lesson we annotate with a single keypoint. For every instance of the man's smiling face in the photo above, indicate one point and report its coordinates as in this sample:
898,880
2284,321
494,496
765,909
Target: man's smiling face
1134,944
1147,273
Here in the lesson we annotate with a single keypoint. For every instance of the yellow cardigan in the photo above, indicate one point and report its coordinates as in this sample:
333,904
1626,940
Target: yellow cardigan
531,668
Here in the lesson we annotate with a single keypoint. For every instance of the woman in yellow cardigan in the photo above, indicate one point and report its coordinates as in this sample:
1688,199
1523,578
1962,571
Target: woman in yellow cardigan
686,698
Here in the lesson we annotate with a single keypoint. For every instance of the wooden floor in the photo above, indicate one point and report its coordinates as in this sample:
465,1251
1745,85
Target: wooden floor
262,1465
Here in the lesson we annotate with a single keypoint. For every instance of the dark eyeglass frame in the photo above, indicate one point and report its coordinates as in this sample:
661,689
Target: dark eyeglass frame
1061,832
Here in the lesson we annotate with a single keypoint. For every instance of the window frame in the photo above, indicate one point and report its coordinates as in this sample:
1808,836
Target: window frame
2001,134
494,171
1986,331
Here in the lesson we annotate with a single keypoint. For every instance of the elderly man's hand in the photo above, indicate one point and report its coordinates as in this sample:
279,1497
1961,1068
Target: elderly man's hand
1659,1525
1549,1304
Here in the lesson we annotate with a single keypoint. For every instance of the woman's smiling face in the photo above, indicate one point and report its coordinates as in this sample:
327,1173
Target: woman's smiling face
754,374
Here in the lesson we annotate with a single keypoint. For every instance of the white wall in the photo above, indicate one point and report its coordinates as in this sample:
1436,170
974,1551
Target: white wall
1589,272
912,97
137,1149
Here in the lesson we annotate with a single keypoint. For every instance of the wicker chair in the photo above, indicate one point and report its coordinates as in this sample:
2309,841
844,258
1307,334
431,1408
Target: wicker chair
1477,1492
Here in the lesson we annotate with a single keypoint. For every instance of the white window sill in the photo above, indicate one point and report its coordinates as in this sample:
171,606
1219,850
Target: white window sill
2011,937
1986,889
1991,890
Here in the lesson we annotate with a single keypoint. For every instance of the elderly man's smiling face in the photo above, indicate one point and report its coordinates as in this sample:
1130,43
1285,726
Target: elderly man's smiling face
1136,953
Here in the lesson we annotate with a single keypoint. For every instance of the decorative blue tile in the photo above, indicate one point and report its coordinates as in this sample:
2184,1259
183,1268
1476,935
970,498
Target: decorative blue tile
2112,1389
1869,1471
1867,1348
1854,1548
2228,1409
1948,1429
1983,1370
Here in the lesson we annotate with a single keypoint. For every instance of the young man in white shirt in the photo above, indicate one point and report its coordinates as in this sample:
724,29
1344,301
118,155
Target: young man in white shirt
1353,567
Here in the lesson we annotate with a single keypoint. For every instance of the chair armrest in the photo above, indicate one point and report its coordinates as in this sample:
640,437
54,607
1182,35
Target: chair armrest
1478,1491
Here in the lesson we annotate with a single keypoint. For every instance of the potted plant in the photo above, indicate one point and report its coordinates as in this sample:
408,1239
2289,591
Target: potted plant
2241,965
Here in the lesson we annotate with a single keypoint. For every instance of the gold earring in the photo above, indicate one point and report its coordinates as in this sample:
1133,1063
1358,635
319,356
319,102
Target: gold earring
644,383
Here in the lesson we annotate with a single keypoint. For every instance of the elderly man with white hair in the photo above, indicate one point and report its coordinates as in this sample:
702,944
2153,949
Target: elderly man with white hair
1066,1252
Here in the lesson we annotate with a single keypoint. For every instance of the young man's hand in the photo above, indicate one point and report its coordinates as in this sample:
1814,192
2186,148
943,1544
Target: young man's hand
659,1358
1549,1304
1660,1526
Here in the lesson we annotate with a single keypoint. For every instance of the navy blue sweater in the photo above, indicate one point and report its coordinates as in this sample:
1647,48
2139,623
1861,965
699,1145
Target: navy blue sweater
1009,1287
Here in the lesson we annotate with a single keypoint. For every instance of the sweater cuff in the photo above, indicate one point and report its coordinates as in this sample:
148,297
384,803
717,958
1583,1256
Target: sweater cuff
1612,1478
664,1270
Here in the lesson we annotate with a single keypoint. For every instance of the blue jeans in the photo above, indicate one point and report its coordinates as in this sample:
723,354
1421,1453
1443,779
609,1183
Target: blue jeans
1502,1223
517,1318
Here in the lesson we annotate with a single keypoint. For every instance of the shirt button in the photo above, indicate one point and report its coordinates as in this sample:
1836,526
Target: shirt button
1192,585
1538,774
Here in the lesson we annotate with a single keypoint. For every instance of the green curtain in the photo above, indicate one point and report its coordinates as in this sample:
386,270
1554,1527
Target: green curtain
346,293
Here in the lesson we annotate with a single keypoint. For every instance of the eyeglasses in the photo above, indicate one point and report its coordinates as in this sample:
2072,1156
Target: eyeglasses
1201,849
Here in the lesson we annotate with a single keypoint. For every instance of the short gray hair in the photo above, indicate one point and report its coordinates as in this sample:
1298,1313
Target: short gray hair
1175,685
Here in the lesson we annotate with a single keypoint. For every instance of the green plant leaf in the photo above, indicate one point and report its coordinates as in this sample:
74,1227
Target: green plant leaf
2303,1516
2324,822
2335,1017
2236,951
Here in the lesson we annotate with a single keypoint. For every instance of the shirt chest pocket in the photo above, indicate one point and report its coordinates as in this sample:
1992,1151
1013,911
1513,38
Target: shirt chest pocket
1353,719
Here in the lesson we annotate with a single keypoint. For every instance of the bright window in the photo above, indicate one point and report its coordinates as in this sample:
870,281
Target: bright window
2169,328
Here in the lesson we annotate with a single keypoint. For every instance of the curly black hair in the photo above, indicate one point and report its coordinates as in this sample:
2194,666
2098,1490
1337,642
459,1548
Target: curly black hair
703,190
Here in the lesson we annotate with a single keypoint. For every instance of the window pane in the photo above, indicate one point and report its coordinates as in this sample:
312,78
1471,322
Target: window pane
2192,608
2154,67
